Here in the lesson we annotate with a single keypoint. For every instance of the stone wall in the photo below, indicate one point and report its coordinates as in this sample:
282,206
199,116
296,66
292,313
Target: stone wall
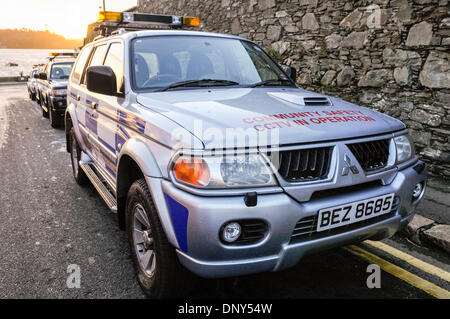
390,55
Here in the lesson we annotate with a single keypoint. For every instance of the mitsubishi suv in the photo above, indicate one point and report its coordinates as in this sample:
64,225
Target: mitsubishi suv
217,164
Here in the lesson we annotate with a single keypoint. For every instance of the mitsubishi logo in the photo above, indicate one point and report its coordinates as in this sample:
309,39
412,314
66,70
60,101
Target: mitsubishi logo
349,166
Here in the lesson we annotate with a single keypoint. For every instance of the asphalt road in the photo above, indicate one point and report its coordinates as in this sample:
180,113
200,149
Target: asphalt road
48,222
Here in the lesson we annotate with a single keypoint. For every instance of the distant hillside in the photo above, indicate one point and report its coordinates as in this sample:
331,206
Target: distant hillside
30,39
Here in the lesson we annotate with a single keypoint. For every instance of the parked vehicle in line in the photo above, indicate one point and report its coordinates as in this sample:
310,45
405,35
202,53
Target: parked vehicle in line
52,89
31,84
155,119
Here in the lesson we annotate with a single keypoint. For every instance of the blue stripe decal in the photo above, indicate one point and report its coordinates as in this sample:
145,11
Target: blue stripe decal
179,215
112,149
91,123
125,133
109,169
131,120
140,124
119,140
84,137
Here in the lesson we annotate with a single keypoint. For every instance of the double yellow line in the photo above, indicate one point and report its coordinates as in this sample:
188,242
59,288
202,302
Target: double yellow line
402,274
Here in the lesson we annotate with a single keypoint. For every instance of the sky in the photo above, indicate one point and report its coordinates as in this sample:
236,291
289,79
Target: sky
66,17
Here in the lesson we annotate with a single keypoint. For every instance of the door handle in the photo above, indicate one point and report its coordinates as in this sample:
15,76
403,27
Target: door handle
93,115
94,105
78,97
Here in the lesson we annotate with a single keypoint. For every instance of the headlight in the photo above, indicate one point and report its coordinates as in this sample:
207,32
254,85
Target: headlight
59,92
249,170
404,148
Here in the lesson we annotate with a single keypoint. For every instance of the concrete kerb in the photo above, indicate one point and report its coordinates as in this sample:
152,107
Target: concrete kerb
424,230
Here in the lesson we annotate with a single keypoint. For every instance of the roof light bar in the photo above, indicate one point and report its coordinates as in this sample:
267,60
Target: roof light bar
135,17
62,54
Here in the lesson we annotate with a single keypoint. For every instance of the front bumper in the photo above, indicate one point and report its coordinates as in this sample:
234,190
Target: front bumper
32,88
58,104
206,256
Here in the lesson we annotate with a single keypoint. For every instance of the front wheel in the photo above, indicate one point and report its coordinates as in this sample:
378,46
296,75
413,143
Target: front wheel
44,113
55,119
159,272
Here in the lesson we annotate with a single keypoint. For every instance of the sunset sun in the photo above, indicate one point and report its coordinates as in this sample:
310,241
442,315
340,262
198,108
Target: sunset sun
68,18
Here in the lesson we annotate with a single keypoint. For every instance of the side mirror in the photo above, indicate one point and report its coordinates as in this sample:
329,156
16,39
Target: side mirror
36,75
43,76
101,79
291,72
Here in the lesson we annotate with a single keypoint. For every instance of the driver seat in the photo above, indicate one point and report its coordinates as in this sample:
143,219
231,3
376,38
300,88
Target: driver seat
168,64
199,66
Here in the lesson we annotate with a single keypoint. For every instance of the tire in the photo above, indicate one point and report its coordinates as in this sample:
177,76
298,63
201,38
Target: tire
44,114
55,119
75,155
163,276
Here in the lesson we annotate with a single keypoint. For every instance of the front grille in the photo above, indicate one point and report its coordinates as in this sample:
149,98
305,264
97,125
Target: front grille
306,228
305,164
371,155
345,190
314,101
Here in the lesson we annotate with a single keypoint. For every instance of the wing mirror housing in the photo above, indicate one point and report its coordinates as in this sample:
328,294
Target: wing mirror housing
43,76
101,79
291,72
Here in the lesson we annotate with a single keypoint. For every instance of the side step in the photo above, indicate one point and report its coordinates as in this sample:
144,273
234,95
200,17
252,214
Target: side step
100,187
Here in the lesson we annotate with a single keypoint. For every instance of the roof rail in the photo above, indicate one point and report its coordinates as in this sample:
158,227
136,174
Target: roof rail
98,37
119,31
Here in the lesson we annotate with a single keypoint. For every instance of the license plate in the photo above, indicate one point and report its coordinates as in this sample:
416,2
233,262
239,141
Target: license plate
354,212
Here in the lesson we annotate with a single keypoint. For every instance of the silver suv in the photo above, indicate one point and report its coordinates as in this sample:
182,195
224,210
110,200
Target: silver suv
218,164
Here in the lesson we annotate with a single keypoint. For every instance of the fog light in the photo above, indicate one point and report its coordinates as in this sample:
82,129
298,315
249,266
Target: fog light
231,232
417,191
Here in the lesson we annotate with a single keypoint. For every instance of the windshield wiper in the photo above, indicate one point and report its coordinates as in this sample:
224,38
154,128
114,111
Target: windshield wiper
203,82
271,82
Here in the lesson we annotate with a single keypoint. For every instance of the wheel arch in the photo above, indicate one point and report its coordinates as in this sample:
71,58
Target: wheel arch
136,161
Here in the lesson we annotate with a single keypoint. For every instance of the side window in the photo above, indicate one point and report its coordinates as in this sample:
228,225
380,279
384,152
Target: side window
79,67
99,55
97,58
114,59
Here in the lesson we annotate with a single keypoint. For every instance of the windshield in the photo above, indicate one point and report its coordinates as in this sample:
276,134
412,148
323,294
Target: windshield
162,61
61,70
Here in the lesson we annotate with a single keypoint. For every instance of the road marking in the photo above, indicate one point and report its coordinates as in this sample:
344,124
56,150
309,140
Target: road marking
400,273
426,267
